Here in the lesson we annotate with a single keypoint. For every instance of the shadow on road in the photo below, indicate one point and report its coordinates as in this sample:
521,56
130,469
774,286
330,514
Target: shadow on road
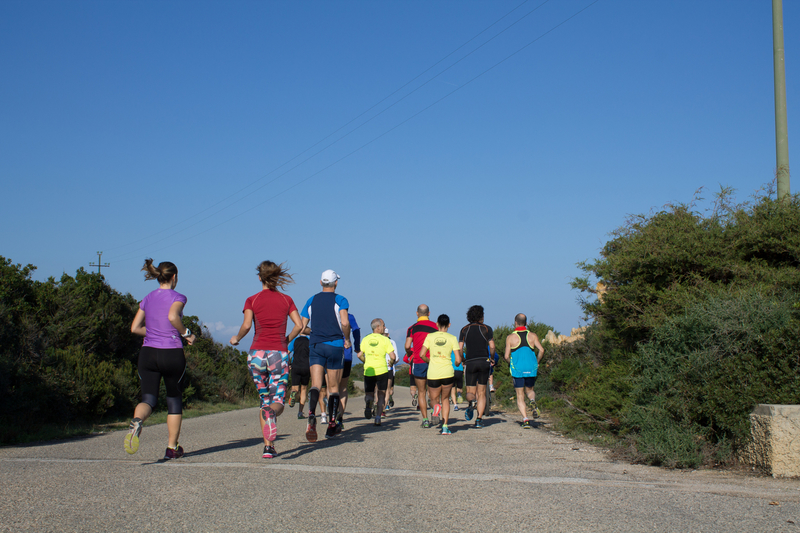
242,443
353,432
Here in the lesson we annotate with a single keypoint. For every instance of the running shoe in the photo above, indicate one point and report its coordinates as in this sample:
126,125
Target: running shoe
459,399
293,398
414,400
446,430
270,429
391,402
339,427
300,415
455,407
368,410
383,413
311,429
526,424
426,423
469,411
132,438
437,410
269,452
331,431
491,389
478,423
174,453
324,418
377,421
535,410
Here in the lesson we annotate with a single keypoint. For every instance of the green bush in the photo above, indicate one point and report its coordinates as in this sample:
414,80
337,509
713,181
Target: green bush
67,356
693,325
706,369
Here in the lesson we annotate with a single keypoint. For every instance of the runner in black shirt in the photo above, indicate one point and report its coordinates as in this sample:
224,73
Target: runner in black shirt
477,344
301,372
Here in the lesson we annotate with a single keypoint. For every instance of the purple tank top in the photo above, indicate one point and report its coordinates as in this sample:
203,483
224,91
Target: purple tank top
160,333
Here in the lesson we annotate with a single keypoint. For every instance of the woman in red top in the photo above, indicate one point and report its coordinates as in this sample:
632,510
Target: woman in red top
269,356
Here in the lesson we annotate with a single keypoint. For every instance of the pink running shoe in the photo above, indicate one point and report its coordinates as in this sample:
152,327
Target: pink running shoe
270,428
437,411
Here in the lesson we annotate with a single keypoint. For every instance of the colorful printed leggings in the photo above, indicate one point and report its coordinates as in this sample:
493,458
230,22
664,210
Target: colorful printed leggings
270,371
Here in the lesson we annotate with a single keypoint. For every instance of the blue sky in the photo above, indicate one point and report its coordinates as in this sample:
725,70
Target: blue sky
447,153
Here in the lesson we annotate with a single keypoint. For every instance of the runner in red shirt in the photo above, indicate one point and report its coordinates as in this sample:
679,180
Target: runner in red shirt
415,336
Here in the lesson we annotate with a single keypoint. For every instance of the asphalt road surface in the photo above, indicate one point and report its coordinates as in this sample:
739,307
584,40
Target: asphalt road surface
397,477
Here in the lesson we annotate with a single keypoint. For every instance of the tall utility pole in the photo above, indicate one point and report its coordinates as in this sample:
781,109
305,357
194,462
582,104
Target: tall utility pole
781,128
99,265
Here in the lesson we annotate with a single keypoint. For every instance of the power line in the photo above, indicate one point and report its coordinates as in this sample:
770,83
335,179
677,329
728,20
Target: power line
530,43
341,128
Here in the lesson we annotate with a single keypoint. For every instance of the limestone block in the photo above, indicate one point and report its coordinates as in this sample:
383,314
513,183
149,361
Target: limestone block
774,445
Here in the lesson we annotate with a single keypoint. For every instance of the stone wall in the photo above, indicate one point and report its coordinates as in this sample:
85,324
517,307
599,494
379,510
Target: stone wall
774,446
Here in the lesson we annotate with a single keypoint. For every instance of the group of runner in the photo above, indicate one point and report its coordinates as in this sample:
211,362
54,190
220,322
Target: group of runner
320,351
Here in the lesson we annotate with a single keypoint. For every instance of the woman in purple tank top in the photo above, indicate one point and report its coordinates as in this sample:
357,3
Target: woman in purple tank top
158,320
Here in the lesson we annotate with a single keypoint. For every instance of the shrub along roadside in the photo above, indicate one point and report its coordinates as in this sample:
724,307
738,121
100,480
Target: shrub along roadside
697,324
68,358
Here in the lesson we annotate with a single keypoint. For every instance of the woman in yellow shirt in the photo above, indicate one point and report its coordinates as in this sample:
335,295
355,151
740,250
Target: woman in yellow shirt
436,351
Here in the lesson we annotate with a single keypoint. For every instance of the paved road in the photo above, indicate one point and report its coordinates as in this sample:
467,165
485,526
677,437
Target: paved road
402,478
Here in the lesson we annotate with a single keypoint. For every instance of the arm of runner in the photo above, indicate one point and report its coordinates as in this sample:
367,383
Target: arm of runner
507,355
538,346
247,323
360,355
393,357
357,339
298,326
423,352
492,350
345,321
137,327
174,316
459,359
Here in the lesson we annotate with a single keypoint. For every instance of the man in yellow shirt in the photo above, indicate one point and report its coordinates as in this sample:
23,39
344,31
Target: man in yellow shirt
377,354
436,351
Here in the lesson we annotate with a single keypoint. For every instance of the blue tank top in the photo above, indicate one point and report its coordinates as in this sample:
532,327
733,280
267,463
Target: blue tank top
524,363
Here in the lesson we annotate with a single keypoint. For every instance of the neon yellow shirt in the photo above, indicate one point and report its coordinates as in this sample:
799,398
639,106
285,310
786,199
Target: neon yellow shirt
375,348
440,345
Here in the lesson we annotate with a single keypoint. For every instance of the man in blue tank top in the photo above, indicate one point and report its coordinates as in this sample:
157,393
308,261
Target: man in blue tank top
326,312
524,364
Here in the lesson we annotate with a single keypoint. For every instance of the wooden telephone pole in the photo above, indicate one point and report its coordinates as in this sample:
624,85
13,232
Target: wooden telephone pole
99,265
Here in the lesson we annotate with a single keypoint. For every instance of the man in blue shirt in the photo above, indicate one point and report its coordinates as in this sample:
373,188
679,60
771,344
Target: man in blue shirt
330,335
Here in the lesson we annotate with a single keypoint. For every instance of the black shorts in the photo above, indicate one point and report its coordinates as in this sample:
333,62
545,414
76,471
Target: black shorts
169,363
459,379
434,383
477,373
346,368
391,377
381,381
300,376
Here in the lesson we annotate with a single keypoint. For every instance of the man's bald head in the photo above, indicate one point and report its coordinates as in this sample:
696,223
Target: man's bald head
423,310
520,320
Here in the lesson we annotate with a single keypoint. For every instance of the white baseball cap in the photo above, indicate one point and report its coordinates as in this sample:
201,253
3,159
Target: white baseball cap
329,276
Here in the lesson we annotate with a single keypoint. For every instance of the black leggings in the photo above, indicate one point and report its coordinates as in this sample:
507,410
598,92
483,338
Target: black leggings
155,363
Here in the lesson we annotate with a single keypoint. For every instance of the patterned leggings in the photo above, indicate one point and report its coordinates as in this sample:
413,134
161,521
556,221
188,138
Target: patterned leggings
270,371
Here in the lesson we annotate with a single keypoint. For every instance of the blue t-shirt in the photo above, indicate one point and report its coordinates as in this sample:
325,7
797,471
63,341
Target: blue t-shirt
348,352
459,368
324,320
